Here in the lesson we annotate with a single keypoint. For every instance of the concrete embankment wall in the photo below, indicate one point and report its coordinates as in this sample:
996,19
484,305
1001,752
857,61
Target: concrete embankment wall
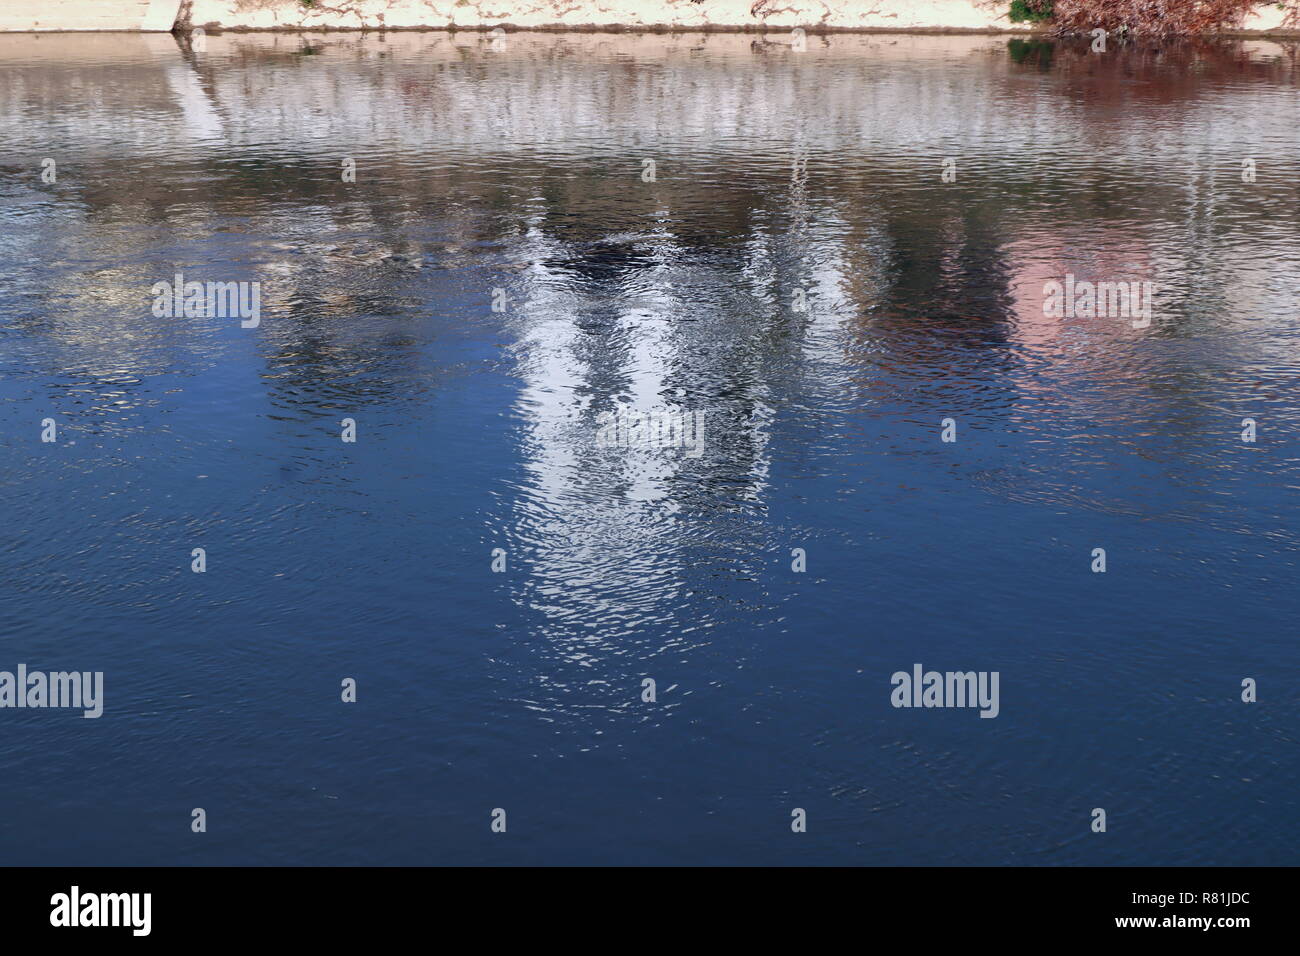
160,15
58,15
681,14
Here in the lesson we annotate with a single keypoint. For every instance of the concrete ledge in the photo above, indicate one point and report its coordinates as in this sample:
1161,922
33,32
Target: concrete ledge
57,16
568,14
613,16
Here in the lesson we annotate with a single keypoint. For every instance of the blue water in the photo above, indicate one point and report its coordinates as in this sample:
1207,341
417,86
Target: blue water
521,170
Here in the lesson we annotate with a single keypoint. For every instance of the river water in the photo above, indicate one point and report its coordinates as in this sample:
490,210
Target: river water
827,260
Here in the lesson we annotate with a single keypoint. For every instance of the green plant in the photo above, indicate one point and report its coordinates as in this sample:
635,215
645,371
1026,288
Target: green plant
1037,52
1030,11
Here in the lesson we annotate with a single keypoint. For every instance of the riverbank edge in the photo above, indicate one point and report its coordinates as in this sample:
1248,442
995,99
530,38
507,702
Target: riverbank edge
215,29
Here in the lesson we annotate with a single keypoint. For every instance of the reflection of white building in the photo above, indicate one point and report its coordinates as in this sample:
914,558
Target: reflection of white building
867,100
605,528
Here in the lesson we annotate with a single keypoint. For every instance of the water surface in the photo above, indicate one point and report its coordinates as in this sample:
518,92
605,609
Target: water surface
778,176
